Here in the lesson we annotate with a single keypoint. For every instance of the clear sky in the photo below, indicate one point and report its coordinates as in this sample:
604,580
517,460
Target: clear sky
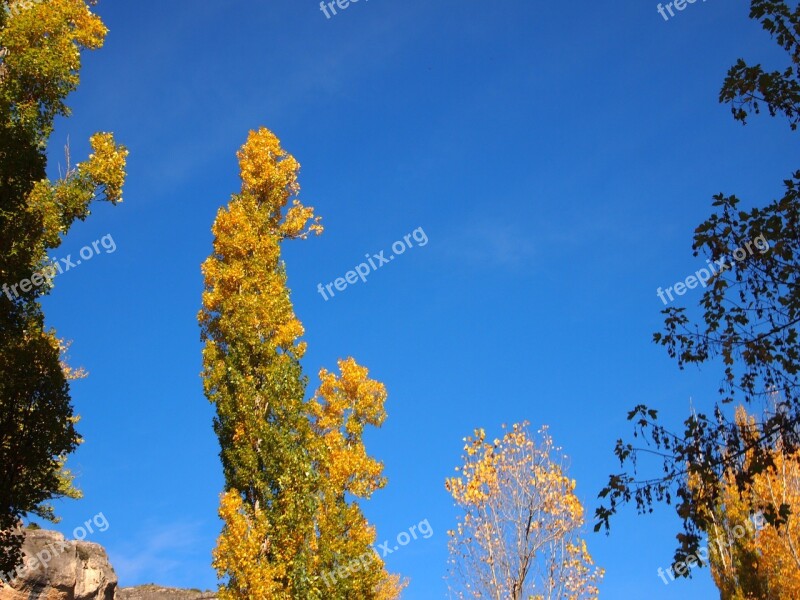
557,155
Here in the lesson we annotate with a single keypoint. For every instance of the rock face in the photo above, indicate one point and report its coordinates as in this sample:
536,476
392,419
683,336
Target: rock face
56,569
154,592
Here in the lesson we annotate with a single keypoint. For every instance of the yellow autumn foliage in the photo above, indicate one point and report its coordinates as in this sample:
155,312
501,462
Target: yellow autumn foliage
518,537
241,553
292,467
750,563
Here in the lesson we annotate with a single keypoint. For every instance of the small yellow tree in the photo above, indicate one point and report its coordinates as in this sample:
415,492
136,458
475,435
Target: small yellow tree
519,534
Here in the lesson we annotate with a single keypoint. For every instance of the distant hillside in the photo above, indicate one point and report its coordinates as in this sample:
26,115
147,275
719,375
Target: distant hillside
155,592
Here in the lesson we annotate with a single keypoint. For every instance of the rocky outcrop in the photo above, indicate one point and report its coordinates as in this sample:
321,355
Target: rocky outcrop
57,569
154,592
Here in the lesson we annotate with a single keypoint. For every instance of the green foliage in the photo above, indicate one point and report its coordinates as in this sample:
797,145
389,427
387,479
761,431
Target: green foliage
40,46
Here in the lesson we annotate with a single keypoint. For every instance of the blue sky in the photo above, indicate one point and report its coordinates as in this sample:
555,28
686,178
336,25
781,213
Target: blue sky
558,155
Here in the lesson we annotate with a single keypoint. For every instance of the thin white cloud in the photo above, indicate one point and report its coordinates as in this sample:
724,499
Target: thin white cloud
492,245
159,553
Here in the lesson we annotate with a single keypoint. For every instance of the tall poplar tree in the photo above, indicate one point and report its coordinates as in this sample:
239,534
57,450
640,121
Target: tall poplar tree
40,60
281,505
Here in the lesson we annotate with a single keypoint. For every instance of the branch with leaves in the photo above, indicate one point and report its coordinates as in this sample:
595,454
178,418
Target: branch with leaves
749,322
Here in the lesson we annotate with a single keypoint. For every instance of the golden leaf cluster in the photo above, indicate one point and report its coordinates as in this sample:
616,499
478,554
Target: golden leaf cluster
340,410
240,552
269,174
41,64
